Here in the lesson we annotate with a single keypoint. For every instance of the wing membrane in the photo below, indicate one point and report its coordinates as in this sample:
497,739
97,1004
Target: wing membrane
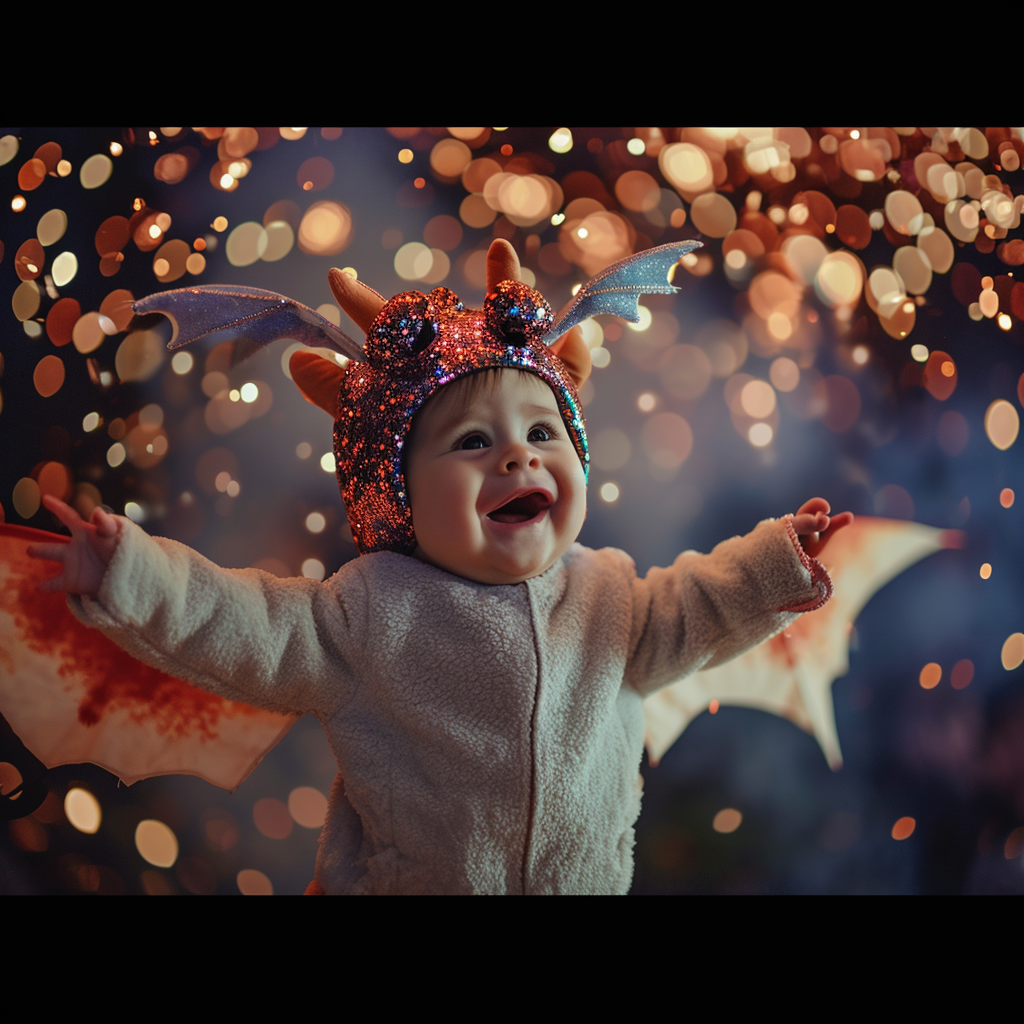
254,317
618,289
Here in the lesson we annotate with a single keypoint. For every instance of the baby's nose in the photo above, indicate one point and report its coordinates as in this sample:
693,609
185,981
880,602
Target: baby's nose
518,457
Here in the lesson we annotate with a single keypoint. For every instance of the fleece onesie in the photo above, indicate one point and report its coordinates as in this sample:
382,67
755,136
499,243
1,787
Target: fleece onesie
488,737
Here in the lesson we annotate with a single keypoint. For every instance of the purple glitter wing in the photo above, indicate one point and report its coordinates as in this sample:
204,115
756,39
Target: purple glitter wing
617,289
253,317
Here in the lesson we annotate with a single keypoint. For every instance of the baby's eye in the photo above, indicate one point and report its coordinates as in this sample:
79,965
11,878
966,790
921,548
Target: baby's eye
541,433
473,441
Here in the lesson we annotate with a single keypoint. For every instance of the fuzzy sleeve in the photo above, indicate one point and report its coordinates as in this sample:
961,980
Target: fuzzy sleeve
707,609
281,644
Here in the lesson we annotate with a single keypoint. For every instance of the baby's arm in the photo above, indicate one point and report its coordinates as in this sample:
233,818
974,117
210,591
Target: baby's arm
280,644
707,609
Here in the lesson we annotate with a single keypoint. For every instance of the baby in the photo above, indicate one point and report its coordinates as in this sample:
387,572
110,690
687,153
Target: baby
479,674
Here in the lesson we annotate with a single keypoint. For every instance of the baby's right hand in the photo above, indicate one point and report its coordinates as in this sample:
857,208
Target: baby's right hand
84,559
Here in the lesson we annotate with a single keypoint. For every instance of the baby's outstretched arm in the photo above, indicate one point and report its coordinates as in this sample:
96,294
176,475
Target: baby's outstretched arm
84,559
281,644
815,527
705,609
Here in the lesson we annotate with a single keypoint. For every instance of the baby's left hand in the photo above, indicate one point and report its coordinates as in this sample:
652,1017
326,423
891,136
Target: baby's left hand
815,527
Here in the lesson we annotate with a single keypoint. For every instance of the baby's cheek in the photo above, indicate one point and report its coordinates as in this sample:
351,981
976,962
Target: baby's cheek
578,518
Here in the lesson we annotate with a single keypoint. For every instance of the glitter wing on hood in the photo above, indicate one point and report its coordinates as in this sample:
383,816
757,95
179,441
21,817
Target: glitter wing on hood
254,316
618,289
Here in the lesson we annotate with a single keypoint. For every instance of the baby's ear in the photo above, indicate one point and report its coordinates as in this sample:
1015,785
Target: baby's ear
318,379
573,351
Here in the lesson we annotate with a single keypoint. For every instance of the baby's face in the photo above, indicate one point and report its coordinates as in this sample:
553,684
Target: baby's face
496,487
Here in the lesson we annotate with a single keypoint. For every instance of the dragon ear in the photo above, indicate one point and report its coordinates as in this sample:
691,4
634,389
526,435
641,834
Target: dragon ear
573,351
319,379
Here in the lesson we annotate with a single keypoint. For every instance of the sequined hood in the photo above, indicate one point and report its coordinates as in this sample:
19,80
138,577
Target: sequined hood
415,346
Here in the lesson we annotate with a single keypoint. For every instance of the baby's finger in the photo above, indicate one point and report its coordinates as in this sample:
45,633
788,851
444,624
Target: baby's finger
67,515
806,524
48,552
837,523
52,584
105,523
814,506
841,520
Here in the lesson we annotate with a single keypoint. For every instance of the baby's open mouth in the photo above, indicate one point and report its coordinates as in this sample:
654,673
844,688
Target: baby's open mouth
521,509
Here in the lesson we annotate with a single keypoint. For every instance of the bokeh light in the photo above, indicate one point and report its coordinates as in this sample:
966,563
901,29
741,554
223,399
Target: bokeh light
727,820
325,229
307,806
140,356
182,362
1014,845
8,148
313,568
1012,654
962,674
1001,424
686,166
96,170
156,843
51,227
254,883
48,377
246,244
903,828
65,266
413,261
272,818
83,810
668,440
561,140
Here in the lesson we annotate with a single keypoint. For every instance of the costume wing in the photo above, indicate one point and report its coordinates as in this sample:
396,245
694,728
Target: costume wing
618,289
254,316
791,675
72,695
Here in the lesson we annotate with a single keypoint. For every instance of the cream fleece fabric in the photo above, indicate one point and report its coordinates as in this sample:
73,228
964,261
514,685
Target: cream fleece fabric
488,737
